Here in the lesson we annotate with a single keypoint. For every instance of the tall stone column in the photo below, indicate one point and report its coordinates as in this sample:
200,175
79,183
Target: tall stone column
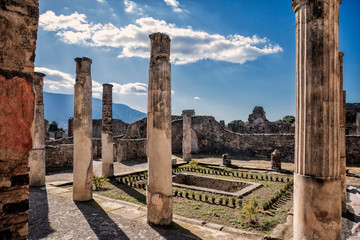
186,143
37,153
159,197
342,134
317,199
70,127
82,130
18,33
358,124
107,149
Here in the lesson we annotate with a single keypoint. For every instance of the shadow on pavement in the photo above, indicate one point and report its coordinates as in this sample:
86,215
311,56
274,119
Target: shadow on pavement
174,227
39,225
100,222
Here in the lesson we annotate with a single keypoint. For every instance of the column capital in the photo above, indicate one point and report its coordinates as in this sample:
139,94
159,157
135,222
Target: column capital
190,112
160,45
298,4
38,78
83,65
108,85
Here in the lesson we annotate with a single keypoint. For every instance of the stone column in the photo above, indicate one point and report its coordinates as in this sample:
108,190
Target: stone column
18,33
186,143
222,123
37,153
358,124
70,127
83,167
342,134
317,199
275,160
159,197
107,149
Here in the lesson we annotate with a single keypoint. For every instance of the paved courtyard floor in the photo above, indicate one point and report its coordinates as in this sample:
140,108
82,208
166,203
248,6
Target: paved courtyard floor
54,215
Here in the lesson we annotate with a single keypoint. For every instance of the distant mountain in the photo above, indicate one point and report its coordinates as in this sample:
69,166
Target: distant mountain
60,107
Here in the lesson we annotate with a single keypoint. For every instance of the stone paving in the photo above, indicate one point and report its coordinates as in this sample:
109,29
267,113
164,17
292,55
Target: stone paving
54,215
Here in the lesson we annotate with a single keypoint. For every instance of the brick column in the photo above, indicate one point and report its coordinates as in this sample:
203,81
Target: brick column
186,143
18,33
83,167
159,197
37,153
317,199
107,149
342,134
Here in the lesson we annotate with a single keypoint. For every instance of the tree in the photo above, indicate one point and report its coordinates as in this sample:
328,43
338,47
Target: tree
288,119
53,126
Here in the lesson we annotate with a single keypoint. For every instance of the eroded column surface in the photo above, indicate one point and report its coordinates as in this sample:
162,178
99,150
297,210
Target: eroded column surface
82,130
342,134
186,143
358,124
317,199
159,189
18,33
107,149
37,153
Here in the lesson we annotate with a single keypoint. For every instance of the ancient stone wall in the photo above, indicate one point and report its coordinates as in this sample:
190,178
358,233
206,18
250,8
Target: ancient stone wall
127,150
59,156
352,109
353,149
119,127
18,34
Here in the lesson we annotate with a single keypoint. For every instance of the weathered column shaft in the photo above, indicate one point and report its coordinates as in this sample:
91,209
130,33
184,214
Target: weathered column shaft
159,189
82,130
186,143
18,33
107,149
317,157
342,133
37,153
70,127
358,124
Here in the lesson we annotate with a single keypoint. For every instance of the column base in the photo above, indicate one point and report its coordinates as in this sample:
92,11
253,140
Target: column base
187,157
159,208
37,167
317,208
107,169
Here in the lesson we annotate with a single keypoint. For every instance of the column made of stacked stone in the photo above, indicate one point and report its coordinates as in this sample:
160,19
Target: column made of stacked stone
342,134
107,149
317,199
18,33
186,143
82,130
159,197
37,153
70,127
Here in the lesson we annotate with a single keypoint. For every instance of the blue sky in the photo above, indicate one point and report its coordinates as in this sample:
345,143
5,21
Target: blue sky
227,56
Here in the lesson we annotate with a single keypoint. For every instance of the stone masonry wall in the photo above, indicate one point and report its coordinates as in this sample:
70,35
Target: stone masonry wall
119,127
18,35
353,149
127,150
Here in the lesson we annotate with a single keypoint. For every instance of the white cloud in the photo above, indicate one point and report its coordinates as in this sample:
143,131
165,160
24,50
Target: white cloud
60,82
197,98
101,1
131,7
174,4
187,45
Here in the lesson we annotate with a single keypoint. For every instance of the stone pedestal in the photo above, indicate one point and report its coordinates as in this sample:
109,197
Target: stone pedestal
159,197
37,153
226,160
276,160
82,130
107,143
186,144
317,199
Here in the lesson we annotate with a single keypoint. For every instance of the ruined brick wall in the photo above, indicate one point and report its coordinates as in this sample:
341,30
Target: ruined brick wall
127,150
18,34
353,149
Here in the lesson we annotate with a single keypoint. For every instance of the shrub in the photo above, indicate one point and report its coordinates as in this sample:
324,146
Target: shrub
186,194
206,197
226,201
193,195
176,192
98,182
233,201
251,209
221,200
239,202
193,163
